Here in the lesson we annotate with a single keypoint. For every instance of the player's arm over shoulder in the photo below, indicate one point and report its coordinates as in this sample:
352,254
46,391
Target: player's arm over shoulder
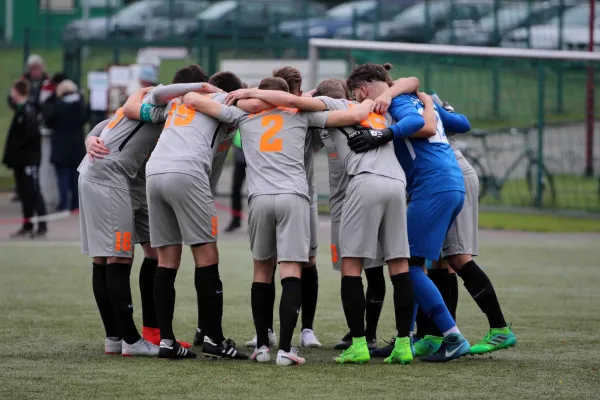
409,120
351,116
215,109
455,123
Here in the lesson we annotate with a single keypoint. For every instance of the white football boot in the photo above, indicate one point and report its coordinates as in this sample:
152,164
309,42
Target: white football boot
261,355
289,357
141,348
308,339
112,345
272,340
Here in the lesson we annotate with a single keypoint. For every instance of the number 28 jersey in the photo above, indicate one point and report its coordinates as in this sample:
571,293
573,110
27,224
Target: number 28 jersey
273,142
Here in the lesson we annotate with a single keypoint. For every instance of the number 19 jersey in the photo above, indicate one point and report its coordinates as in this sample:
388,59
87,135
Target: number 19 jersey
188,142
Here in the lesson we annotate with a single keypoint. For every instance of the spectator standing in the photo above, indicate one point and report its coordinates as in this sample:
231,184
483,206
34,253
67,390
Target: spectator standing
22,154
239,176
67,122
35,75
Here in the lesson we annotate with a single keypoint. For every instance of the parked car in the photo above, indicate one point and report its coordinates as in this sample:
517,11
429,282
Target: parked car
573,36
146,19
419,22
251,18
341,18
519,14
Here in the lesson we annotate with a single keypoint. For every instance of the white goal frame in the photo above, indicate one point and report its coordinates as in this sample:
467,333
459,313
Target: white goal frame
496,52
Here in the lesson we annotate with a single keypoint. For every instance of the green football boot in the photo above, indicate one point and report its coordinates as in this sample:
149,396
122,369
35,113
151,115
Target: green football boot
358,353
402,353
496,339
428,345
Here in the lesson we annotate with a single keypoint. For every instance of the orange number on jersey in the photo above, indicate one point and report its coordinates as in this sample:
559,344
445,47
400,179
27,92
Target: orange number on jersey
266,144
123,241
375,121
180,115
214,226
185,115
115,120
334,254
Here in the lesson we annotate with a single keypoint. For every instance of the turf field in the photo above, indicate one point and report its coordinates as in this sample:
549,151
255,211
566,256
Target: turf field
51,335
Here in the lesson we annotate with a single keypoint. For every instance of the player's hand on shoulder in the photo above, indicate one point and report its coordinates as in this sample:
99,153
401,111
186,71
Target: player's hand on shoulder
94,147
239,94
310,93
382,103
208,88
370,103
425,98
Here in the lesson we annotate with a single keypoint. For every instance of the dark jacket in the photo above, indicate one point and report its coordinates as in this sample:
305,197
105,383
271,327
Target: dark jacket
68,138
23,143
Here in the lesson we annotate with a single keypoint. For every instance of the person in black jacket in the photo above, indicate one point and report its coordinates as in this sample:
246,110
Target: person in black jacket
67,120
22,154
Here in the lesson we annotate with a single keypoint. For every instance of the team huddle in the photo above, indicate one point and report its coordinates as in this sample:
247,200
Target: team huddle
401,194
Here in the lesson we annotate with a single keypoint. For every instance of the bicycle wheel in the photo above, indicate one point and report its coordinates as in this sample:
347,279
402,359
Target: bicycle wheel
481,175
548,190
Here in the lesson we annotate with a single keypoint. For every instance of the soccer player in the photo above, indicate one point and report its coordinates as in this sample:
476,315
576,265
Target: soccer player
435,187
106,228
338,179
310,277
374,206
273,140
182,210
461,244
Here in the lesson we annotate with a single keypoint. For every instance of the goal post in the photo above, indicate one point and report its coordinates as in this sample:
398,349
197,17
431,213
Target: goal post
510,79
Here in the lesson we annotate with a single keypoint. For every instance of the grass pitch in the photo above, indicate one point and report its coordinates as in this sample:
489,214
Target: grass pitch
51,336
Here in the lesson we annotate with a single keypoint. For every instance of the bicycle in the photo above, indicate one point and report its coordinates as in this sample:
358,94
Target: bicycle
491,183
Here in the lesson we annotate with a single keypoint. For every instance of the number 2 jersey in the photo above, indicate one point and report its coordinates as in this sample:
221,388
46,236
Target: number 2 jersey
189,142
344,163
129,143
429,164
274,144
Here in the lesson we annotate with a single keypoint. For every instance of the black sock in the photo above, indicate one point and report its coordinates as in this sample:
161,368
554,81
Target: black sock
100,287
481,289
209,290
404,303
310,292
147,272
119,290
441,280
353,300
374,299
164,297
260,299
271,300
289,308
423,323
453,301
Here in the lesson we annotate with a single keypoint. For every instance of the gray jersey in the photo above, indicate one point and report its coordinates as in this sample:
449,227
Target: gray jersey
273,142
129,143
220,156
188,142
338,178
380,161
462,162
312,145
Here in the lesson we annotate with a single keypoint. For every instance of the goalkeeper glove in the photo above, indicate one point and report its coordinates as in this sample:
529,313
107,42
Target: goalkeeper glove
364,140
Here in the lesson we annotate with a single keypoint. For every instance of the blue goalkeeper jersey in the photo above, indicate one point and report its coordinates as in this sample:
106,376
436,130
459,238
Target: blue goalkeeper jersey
429,164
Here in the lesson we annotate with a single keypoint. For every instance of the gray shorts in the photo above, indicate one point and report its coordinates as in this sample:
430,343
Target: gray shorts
141,222
105,220
336,260
314,228
462,237
279,225
182,210
374,210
